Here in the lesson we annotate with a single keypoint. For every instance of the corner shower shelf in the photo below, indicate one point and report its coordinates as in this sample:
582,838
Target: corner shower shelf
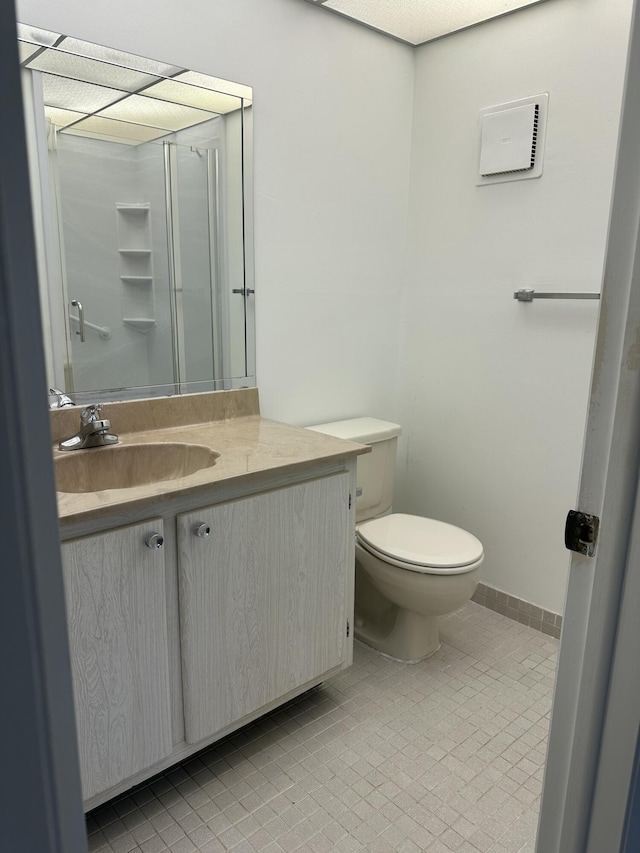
136,265
140,324
136,279
133,209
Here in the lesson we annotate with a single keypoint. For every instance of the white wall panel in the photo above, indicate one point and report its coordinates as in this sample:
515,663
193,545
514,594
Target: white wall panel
493,393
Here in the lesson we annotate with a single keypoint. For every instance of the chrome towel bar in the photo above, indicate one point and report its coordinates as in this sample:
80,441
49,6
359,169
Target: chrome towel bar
527,295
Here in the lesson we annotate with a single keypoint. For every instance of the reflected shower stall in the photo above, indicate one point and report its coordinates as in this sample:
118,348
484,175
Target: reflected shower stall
143,259
140,172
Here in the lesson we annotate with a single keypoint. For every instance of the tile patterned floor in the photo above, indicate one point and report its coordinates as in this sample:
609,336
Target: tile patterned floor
446,755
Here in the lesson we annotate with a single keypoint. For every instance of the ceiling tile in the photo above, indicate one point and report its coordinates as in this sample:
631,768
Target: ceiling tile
118,57
155,113
76,94
115,131
193,96
90,70
419,21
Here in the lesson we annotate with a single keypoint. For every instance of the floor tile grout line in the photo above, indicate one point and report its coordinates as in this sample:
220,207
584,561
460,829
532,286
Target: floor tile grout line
481,706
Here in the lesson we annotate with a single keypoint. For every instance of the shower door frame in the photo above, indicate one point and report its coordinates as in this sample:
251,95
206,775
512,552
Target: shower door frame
219,344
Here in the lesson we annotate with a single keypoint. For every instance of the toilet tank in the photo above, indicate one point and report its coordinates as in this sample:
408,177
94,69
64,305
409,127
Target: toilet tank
376,470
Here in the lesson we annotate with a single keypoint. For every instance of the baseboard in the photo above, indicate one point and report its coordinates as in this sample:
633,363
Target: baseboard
519,610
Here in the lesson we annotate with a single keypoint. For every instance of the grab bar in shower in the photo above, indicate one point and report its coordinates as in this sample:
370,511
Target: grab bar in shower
80,319
528,295
103,331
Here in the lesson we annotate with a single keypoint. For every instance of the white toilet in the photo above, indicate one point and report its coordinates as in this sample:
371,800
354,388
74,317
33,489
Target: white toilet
409,569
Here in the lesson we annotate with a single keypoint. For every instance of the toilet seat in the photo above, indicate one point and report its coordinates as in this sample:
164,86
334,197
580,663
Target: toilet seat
420,544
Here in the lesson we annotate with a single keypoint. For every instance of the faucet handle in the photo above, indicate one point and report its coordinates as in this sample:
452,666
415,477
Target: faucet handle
90,413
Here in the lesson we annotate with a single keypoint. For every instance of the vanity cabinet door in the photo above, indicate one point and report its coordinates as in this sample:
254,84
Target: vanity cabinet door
116,608
262,598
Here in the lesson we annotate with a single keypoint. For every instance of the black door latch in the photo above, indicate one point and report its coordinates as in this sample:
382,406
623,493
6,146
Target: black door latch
581,532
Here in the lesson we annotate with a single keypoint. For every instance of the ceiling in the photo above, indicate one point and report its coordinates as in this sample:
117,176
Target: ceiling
100,93
418,21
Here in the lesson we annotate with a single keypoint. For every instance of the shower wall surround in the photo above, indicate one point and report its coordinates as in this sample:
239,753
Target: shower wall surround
114,229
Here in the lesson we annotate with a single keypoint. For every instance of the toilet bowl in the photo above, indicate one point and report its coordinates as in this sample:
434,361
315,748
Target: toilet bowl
409,569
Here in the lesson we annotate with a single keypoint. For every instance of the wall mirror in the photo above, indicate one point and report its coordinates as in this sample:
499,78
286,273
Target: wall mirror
142,196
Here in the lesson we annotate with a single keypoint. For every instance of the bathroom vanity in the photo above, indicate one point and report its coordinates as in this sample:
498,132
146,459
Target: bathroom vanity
196,604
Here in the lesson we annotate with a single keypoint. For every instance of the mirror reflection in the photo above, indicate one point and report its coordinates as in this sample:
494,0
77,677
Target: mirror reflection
140,189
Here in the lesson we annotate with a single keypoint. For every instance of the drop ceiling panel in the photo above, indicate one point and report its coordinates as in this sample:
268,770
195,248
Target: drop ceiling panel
61,118
419,21
193,96
76,94
96,91
215,83
155,113
118,131
36,35
118,57
27,50
89,70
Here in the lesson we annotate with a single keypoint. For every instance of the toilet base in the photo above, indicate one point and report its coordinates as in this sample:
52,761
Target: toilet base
404,635
397,609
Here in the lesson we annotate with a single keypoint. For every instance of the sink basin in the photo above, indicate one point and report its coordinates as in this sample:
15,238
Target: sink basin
128,465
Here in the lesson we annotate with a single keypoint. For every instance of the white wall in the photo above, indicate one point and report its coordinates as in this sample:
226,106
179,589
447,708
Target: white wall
493,393
332,116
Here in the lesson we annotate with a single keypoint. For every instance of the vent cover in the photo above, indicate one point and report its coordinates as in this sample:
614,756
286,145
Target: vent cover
511,140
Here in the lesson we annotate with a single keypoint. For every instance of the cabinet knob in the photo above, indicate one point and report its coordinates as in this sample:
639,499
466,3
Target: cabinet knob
154,540
202,530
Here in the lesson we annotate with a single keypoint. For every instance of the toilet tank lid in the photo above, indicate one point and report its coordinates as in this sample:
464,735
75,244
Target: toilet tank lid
361,430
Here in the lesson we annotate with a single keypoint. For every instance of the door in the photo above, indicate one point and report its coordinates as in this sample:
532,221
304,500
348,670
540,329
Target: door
262,598
116,606
596,710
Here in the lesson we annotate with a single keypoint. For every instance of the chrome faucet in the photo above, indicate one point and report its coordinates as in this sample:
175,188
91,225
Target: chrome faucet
93,431
62,399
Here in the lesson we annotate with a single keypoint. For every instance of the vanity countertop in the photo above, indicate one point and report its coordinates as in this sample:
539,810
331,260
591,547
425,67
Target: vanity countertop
227,422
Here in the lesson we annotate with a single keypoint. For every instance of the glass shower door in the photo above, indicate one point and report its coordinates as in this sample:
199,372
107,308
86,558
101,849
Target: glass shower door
193,211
